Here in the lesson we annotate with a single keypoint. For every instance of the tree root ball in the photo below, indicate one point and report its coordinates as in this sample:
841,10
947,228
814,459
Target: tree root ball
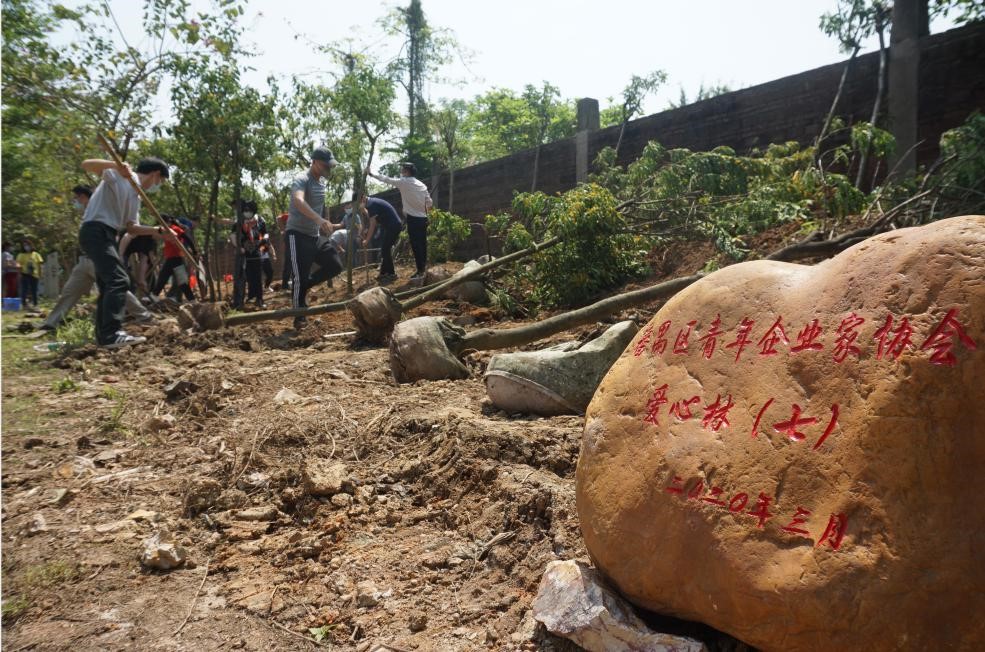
375,312
421,349
200,317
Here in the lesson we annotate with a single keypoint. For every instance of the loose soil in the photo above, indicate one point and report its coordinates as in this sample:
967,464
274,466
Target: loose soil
453,512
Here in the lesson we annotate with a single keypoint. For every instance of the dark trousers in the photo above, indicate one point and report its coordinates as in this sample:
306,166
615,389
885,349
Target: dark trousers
167,270
288,268
29,289
391,233
417,232
305,251
239,280
268,271
98,242
253,269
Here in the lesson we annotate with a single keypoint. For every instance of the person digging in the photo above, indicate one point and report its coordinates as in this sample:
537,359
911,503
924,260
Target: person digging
305,222
114,207
83,277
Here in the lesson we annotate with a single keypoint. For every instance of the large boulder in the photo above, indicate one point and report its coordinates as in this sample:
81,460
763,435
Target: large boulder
794,455
558,380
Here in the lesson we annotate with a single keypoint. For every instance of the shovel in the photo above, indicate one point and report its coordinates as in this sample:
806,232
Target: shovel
108,146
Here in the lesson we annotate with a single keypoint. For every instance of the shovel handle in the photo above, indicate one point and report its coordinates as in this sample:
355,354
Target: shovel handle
111,150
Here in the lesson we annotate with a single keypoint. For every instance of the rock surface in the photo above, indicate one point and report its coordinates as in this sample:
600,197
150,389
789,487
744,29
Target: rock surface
574,603
559,380
813,488
160,553
326,478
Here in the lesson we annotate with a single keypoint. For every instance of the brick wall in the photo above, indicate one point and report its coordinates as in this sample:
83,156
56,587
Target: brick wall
952,85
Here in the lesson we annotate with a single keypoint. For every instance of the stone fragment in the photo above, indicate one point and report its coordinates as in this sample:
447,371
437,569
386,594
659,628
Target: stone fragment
367,595
574,603
803,446
144,515
326,478
417,622
180,388
32,442
200,494
159,423
161,553
287,397
36,525
263,513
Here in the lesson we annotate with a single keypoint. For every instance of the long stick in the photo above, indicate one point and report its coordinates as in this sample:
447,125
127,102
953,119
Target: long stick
108,147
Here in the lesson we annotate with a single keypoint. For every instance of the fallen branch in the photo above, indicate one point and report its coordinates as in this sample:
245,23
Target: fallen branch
486,339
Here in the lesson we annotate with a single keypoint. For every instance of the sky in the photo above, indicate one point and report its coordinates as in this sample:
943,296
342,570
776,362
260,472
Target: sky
587,48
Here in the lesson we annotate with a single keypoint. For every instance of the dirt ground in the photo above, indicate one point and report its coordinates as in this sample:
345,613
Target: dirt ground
450,511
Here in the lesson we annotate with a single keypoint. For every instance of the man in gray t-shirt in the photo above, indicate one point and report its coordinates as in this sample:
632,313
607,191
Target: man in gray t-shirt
305,220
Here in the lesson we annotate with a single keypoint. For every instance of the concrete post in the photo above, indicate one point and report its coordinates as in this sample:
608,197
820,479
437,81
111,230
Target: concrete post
909,18
588,121
51,271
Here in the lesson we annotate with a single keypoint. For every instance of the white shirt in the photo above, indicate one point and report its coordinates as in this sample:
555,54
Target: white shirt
114,203
414,194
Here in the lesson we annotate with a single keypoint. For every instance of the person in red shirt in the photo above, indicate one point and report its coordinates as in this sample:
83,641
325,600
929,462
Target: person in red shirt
174,264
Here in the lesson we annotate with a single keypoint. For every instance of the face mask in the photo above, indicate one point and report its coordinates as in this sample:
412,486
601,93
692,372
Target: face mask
27,250
76,204
248,215
153,189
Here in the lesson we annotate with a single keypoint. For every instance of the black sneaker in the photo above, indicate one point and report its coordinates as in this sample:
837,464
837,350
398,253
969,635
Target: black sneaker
124,339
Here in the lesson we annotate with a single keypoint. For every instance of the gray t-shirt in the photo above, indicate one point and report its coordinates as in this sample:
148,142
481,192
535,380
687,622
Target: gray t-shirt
314,196
114,203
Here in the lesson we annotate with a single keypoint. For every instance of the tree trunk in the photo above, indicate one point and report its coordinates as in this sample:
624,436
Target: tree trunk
622,132
486,339
417,297
876,107
834,104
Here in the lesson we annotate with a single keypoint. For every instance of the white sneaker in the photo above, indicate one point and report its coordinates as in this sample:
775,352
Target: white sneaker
124,339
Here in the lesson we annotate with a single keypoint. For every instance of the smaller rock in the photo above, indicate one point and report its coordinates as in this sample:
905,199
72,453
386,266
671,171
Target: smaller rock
528,629
36,525
367,595
574,603
159,423
200,494
326,478
252,481
232,499
263,513
144,515
342,501
160,553
61,497
107,457
33,442
417,622
180,388
287,397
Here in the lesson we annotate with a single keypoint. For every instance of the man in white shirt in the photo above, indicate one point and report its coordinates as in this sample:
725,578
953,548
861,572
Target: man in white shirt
112,209
416,201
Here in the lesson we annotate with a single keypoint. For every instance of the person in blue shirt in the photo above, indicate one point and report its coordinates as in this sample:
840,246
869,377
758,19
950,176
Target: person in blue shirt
384,217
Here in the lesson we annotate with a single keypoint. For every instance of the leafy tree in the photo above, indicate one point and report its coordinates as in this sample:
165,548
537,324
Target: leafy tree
223,130
502,122
632,100
447,123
